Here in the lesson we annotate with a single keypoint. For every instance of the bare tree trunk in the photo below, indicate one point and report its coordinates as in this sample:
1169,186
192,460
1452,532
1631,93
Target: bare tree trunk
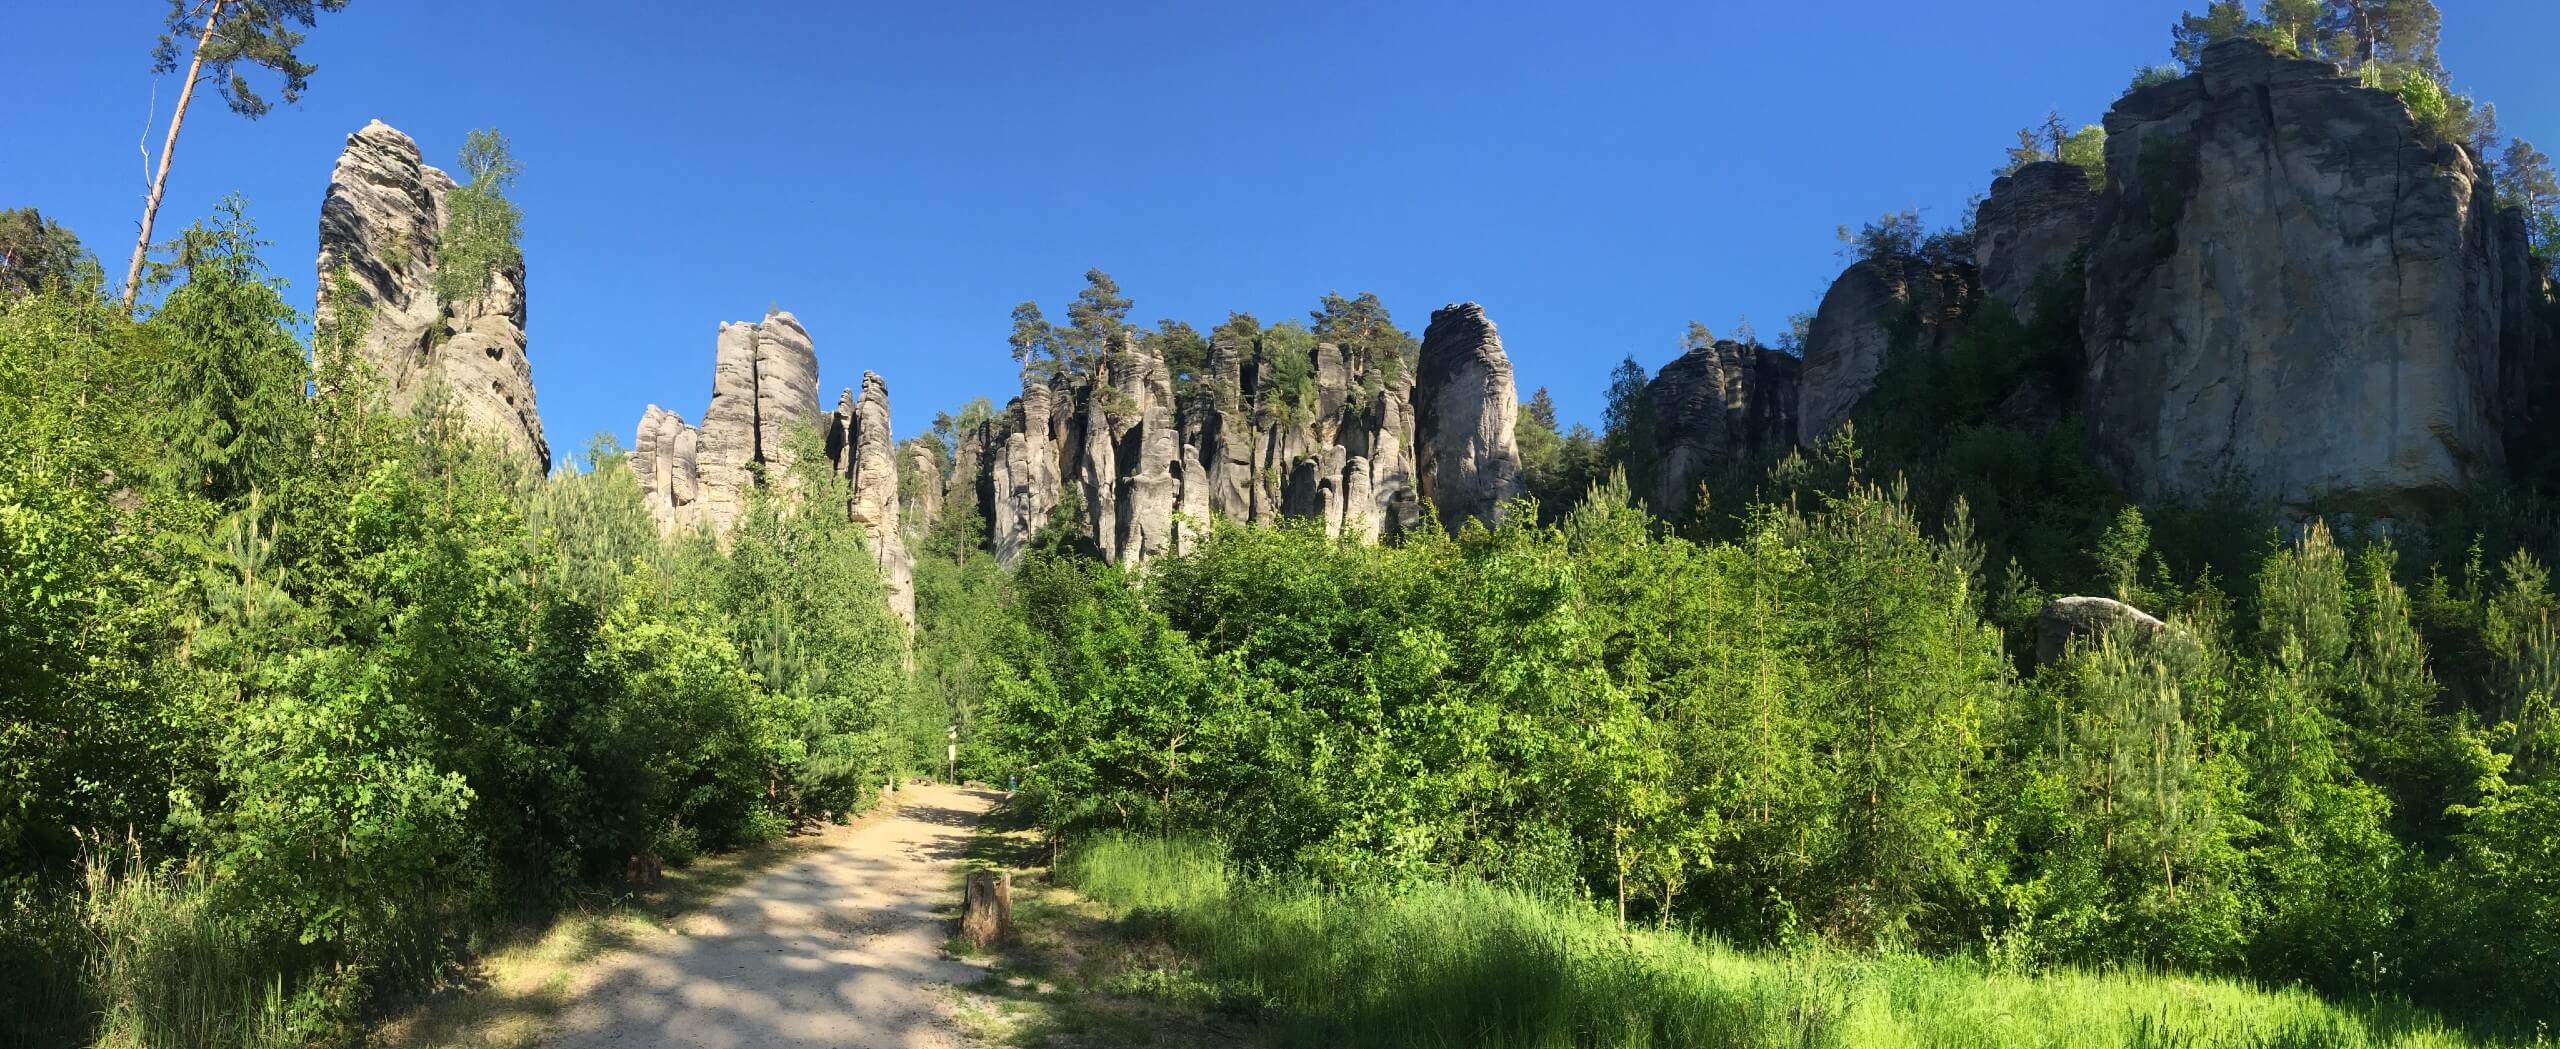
168,148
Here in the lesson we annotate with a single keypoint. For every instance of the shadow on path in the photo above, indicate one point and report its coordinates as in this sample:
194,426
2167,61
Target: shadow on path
840,948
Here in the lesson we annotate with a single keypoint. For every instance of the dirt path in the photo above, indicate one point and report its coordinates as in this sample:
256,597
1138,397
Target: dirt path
841,948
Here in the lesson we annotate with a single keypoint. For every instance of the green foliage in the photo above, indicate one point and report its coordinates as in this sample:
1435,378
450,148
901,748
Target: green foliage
483,233
35,252
236,386
2056,141
1556,468
961,601
1465,963
355,682
258,32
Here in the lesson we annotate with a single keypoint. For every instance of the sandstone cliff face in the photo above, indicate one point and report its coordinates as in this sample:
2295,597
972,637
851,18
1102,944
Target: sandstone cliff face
379,225
1465,410
921,486
1854,330
1718,403
2030,225
865,451
1150,466
2287,286
764,382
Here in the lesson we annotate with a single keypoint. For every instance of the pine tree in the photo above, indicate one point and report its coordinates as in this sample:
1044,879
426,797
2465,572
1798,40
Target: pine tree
226,33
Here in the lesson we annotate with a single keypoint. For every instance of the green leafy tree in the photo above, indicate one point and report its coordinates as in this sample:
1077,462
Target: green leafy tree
483,232
1629,441
234,405
36,251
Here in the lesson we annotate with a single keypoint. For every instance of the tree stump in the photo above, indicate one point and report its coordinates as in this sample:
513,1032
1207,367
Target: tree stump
988,914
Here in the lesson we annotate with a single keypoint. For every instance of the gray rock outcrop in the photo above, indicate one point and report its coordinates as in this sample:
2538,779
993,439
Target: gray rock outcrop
380,225
1265,430
2030,225
1465,408
1873,306
1715,404
764,382
865,451
2290,287
2066,619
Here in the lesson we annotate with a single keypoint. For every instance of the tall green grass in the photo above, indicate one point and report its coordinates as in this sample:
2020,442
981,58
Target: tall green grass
136,958
1468,964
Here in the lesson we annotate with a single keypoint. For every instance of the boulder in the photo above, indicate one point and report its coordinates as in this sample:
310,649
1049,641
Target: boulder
2066,619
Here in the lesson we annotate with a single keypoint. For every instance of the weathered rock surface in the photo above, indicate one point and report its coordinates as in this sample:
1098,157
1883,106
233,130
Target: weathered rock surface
764,381
2288,286
2034,220
1717,403
868,459
1465,407
921,487
379,226
2066,619
1150,466
1855,329
665,457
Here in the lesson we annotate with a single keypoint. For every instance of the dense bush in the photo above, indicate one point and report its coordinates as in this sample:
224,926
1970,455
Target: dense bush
1811,733
298,690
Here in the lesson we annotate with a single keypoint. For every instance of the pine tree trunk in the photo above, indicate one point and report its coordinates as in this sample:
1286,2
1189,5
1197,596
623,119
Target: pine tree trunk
168,148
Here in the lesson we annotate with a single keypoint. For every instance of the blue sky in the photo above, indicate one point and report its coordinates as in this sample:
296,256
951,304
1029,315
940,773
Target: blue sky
900,175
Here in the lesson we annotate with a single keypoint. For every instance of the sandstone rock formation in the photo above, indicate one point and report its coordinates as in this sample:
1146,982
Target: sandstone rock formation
2034,220
2289,286
1718,403
1856,327
921,486
1464,413
764,382
1267,430
764,387
665,455
865,451
379,227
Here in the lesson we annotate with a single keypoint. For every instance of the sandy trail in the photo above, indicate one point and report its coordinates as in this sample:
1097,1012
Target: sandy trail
839,948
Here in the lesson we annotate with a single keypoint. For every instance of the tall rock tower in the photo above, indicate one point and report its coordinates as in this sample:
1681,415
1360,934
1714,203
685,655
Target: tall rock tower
379,228
1465,407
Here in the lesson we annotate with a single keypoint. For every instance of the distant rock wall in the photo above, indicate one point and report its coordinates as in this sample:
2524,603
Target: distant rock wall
379,226
1715,404
2288,287
1854,330
1150,466
2030,225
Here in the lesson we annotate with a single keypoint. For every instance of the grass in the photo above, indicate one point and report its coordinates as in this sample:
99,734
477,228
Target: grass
1474,965
1074,973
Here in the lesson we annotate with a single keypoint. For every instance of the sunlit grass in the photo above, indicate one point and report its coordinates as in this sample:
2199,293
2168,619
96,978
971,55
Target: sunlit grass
1468,964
